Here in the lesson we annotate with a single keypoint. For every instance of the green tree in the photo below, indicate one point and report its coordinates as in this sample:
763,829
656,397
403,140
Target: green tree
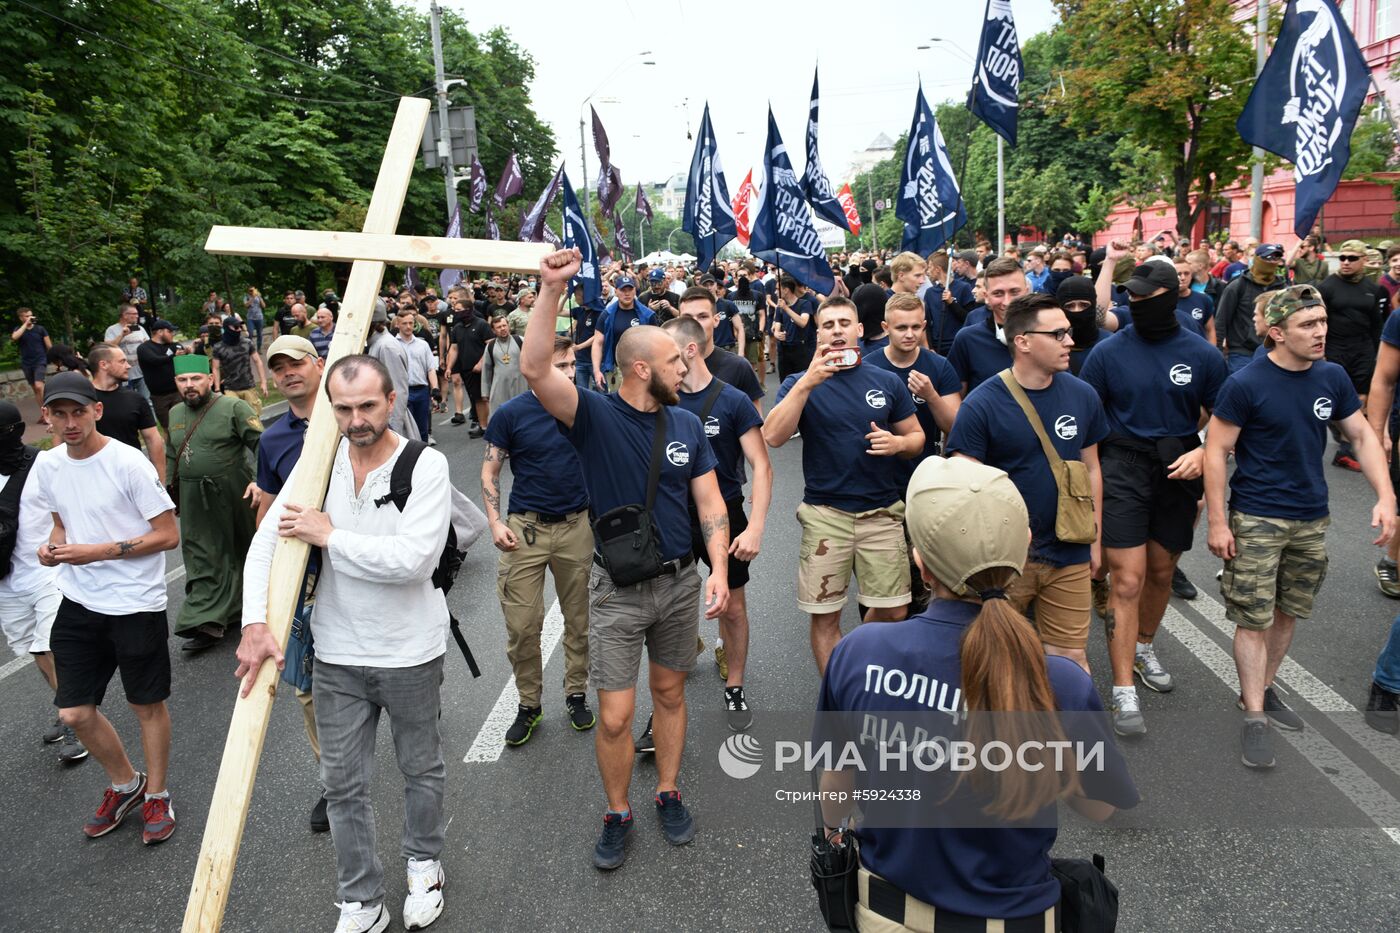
1171,74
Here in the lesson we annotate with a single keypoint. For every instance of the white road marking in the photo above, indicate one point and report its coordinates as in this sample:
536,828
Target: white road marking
491,737
1358,787
175,574
16,665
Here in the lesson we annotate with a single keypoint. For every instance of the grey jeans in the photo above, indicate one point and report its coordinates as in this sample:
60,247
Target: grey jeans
348,703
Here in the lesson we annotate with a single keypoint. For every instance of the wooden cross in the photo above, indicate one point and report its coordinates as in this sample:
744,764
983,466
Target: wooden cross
368,250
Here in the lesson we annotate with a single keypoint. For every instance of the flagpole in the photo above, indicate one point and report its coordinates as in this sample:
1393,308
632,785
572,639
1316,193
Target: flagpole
1256,194
1001,195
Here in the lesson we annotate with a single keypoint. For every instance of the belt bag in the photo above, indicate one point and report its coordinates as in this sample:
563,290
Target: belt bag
1074,507
627,540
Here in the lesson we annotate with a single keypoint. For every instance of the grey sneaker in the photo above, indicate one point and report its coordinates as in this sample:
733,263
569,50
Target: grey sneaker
1127,717
1281,716
1257,742
1388,578
71,751
1151,672
55,732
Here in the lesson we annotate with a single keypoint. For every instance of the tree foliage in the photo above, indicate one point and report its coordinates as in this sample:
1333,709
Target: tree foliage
174,115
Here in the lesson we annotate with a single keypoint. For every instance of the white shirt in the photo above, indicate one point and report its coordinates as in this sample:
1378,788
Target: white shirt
420,360
390,351
376,605
128,345
110,496
27,575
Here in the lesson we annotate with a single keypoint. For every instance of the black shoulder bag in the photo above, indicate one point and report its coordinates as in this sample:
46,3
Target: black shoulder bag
9,509
1088,900
627,543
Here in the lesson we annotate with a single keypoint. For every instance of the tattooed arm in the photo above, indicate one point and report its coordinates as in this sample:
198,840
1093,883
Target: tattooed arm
163,536
491,464
714,528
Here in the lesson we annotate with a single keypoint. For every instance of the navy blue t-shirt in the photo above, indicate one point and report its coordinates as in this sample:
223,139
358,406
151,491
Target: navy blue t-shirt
546,473
279,449
32,351
614,446
992,428
940,324
977,354
1183,317
945,382
837,468
1154,389
725,313
1282,416
735,370
792,334
1198,308
585,322
980,871
1390,334
731,417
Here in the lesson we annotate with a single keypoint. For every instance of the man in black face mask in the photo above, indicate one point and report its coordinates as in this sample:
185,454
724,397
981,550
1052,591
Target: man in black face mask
1076,297
1234,317
1156,379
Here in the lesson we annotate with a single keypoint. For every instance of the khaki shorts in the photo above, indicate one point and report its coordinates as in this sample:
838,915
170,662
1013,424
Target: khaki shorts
753,350
1062,601
1278,563
835,542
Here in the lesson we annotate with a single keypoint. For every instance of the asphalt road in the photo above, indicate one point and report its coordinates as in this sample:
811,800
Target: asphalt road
1213,846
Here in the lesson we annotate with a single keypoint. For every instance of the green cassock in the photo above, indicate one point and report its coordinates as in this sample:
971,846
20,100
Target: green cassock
216,523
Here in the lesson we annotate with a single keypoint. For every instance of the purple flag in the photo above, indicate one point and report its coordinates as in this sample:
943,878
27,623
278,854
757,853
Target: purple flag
493,231
478,184
551,237
532,225
643,205
411,279
624,246
511,183
450,277
609,178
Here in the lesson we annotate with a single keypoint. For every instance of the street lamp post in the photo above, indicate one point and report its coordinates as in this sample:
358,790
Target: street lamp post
582,145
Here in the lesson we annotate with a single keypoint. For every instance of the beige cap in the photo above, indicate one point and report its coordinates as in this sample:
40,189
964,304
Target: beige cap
291,345
965,517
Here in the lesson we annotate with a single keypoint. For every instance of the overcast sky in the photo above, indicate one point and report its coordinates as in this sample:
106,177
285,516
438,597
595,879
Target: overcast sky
740,56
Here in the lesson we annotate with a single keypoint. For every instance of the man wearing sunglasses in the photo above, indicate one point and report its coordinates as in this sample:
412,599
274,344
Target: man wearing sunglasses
1356,308
991,427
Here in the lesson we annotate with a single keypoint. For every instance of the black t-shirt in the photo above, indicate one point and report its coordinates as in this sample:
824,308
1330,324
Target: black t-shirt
124,415
733,369
654,300
470,336
870,300
157,366
1355,313
284,320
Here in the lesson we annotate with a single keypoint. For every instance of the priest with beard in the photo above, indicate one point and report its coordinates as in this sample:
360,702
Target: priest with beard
211,481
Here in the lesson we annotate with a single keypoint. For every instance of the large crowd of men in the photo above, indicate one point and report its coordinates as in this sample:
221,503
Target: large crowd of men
1109,389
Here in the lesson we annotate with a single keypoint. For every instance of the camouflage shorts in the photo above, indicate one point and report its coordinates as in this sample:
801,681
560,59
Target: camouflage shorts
835,543
1279,563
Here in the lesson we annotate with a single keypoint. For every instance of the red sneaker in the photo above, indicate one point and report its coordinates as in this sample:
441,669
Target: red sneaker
114,808
159,818
1347,462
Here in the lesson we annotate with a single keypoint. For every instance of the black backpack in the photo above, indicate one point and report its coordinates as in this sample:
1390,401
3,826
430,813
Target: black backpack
9,509
450,560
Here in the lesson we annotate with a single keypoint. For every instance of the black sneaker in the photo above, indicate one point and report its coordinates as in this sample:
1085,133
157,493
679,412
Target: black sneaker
55,732
524,726
740,718
1182,587
200,641
1388,578
611,849
475,430
1383,709
580,716
459,418
320,822
676,821
1281,715
646,742
1257,741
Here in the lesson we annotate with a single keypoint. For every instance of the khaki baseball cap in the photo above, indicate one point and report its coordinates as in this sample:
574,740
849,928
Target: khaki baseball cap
1354,247
965,517
291,345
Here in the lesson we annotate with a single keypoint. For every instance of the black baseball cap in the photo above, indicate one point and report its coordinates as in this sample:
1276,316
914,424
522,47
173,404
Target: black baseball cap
162,324
70,385
1150,276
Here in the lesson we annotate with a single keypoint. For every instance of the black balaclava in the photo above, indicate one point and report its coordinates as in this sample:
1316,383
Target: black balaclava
1155,318
1053,283
11,438
1083,325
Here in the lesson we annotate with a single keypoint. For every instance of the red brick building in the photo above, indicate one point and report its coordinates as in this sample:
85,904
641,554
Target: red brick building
1364,209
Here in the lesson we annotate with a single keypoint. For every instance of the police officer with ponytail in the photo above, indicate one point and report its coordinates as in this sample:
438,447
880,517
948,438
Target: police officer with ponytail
930,863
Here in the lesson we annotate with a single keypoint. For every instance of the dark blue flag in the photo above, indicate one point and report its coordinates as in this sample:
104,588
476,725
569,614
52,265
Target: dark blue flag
997,81
816,187
1305,103
930,203
576,237
709,218
783,233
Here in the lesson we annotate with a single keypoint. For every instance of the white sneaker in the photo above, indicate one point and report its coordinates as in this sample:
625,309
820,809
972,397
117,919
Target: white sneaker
424,902
356,918
432,441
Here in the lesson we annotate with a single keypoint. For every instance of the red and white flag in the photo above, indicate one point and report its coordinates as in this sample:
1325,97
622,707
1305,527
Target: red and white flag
848,204
741,209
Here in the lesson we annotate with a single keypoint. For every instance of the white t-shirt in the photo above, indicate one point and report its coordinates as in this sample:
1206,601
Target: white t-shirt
27,575
128,345
110,496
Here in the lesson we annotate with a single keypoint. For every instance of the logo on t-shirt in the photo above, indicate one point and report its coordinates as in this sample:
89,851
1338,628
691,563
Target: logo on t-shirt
1322,408
875,399
1066,427
634,322
711,426
678,453
721,316
1197,313
1180,374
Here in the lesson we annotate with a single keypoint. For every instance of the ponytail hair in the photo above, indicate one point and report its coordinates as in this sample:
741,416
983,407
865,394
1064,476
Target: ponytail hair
1004,673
